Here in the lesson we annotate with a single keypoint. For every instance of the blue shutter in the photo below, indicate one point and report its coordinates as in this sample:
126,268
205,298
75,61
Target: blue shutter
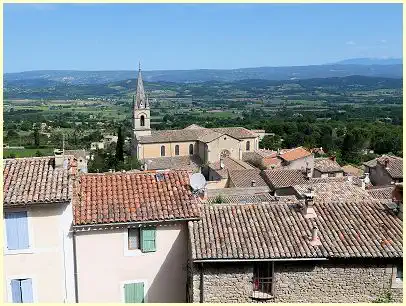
12,231
17,230
22,227
16,291
26,290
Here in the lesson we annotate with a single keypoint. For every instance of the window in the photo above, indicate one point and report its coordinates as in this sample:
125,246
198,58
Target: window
399,273
247,146
191,149
177,150
21,290
134,293
133,238
397,276
162,150
148,239
263,281
17,230
142,120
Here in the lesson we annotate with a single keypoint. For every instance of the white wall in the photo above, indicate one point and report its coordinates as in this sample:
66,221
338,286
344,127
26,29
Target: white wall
103,266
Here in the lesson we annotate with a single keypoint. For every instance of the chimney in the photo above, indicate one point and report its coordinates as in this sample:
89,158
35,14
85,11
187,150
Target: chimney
221,163
315,238
350,178
366,179
253,183
386,163
308,210
59,158
397,197
363,184
203,195
145,166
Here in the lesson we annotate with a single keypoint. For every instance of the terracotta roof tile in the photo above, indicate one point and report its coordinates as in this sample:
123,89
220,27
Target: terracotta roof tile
244,178
189,163
324,164
349,169
381,192
131,197
36,180
294,154
229,164
277,179
270,231
242,199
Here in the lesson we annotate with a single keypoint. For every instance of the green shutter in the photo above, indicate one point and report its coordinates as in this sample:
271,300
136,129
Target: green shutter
148,239
134,293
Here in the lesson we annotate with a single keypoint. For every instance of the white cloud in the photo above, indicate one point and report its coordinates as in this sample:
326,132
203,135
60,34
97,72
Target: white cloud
350,42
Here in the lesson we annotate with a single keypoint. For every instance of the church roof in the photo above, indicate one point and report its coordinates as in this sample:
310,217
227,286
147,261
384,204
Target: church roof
195,133
140,99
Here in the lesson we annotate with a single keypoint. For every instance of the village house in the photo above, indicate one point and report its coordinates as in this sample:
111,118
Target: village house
296,252
297,158
37,216
130,235
281,181
352,170
327,167
385,170
208,144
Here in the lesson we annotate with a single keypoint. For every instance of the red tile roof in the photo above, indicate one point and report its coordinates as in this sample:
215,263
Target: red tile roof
35,180
267,231
295,154
133,197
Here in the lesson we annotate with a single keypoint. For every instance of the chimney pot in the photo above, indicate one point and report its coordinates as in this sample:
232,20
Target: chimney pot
253,183
315,238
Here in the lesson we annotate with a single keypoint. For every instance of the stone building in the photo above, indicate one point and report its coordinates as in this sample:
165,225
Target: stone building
296,252
385,170
207,144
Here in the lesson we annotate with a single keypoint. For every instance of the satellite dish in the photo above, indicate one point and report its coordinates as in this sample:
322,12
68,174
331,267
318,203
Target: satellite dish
197,181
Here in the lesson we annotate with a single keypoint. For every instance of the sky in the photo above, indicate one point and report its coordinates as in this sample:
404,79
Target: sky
195,36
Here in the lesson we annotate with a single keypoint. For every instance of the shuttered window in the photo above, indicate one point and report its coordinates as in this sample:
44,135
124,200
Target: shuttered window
21,290
134,293
148,239
133,238
17,230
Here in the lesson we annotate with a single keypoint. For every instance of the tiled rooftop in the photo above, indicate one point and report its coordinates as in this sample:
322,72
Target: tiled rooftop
395,165
229,164
133,197
324,165
349,169
244,178
335,191
242,199
381,192
294,154
36,180
277,179
271,231
194,133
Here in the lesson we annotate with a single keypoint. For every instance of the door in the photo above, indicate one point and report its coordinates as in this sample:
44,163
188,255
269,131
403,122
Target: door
134,293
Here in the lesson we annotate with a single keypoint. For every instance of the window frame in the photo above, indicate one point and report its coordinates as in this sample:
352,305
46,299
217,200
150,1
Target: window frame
142,120
138,229
263,294
163,150
30,248
176,150
248,145
191,149
20,277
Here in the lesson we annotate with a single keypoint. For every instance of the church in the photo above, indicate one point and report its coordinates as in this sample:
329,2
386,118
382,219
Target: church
187,148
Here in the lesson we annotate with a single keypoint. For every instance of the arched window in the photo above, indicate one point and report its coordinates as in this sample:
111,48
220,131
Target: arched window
247,146
191,149
162,150
142,120
177,150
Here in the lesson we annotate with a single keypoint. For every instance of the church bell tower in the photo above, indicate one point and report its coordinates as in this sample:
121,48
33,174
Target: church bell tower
141,110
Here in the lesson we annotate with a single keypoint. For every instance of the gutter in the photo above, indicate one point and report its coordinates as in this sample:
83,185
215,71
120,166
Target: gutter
75,268
119,224
254,260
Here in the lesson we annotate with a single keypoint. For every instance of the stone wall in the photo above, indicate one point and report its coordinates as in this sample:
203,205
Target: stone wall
312,282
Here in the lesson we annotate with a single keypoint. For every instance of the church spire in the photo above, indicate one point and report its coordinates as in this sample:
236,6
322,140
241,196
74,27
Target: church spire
140,99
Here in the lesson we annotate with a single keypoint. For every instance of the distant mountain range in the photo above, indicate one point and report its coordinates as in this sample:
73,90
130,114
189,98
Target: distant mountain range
391,68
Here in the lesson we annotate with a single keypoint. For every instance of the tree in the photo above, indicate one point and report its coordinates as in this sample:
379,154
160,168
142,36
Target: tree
120,146
271,142
36,136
